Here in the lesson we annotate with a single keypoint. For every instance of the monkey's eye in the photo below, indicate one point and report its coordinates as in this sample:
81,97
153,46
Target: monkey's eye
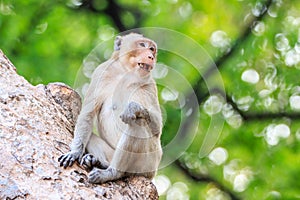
142,44
152,49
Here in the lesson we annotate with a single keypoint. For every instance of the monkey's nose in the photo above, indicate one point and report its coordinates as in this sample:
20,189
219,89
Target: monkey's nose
151,57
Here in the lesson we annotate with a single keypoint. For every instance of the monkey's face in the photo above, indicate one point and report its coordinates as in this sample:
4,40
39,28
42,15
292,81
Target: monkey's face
145,56
139,55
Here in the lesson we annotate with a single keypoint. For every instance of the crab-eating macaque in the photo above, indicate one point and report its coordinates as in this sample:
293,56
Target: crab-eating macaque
122,100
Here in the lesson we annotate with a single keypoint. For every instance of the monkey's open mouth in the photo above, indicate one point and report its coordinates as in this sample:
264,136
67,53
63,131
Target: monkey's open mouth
145,66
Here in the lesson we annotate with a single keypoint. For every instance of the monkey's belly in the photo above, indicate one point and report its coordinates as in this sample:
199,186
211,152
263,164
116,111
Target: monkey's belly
110,126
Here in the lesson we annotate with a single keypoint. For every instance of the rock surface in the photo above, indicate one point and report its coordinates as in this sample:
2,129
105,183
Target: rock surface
36,126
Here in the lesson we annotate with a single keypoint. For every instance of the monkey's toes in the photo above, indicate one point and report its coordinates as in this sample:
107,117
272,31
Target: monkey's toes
89,161
95,176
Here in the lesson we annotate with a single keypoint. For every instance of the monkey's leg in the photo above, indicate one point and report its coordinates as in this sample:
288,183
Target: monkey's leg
120,162
97,152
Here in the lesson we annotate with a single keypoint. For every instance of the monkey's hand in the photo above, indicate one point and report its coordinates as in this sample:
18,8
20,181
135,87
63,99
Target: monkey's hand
68,159
135,113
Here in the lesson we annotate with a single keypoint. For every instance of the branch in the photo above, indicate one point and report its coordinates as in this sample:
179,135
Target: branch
221,60
259,116
269,115
205,178
245,35
201,95
114,11
199,89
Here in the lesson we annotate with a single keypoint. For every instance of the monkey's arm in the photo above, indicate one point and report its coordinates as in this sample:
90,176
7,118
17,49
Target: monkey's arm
82,134
155,124
83,129
151,110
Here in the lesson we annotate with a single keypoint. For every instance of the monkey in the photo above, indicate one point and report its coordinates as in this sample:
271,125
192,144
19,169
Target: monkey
122,101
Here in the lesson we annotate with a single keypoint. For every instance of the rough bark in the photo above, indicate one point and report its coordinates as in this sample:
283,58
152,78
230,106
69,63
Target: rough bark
36,126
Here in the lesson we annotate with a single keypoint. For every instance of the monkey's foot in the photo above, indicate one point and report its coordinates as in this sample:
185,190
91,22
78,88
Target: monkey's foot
89,161
102,176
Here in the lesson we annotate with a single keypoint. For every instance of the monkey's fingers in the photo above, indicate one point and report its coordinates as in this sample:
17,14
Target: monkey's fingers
66,160
143,113
60,157
141,122
128,118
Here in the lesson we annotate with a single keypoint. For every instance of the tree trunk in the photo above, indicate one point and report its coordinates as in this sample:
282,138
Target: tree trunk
36,126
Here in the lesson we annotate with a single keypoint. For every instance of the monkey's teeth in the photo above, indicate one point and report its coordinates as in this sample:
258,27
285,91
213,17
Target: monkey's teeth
145,66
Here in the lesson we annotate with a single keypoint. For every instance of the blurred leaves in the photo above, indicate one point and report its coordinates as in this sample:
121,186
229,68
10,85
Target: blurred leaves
256,47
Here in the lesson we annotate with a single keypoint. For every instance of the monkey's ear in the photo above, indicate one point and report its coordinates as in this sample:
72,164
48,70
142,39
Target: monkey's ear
118,42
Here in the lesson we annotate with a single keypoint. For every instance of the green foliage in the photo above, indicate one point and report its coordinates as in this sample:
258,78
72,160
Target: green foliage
259,154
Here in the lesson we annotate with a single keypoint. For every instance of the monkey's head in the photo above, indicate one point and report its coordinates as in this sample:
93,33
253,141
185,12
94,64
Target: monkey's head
136,52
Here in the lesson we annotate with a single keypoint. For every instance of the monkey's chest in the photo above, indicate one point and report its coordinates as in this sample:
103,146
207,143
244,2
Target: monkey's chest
110,125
